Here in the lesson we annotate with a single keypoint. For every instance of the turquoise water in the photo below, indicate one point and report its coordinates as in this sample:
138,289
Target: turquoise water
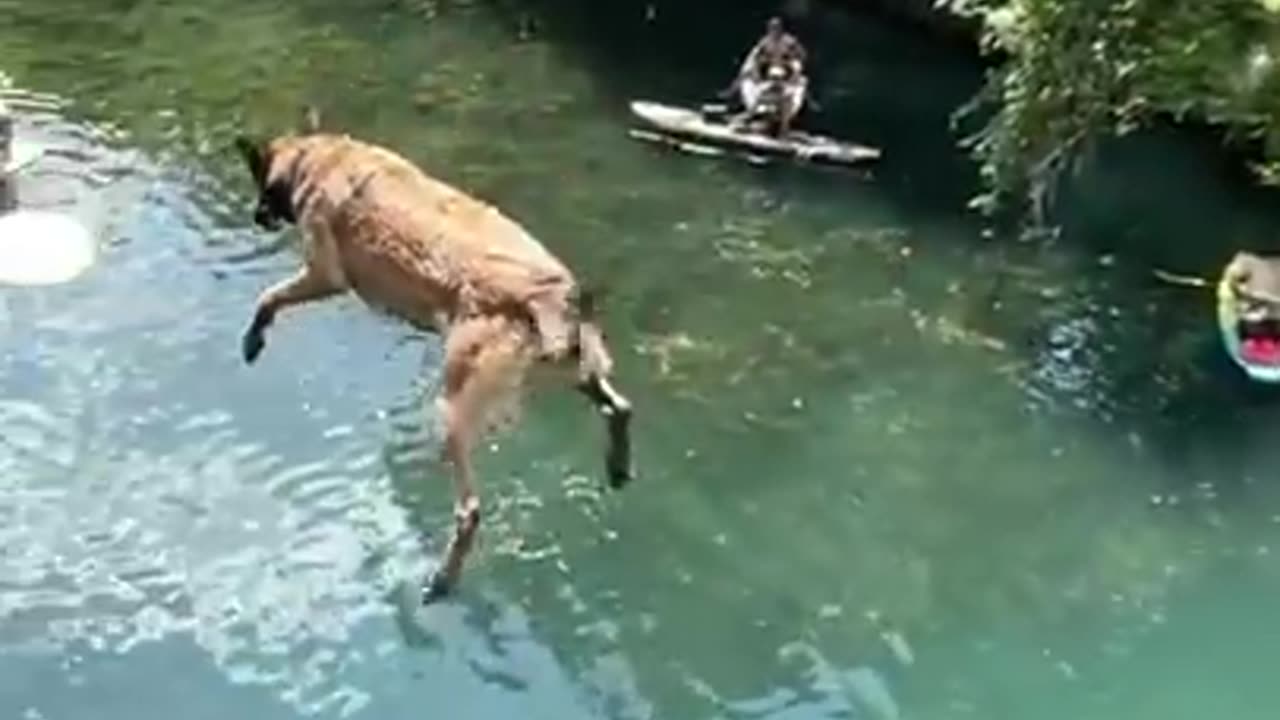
891,466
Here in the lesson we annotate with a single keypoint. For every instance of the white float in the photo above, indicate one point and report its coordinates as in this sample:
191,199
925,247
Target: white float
43,248
37,247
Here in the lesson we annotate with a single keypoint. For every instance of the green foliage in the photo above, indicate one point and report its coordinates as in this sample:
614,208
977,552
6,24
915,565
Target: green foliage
1076,70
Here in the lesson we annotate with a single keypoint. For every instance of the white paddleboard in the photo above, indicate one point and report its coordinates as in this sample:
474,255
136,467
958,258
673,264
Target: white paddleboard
798,144
38,247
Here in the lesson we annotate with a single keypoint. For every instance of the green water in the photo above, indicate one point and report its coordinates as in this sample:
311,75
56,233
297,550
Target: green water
890,467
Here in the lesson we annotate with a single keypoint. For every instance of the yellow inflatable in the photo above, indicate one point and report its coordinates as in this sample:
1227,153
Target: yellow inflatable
1248,295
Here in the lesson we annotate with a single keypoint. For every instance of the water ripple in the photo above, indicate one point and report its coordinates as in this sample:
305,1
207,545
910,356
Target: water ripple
1070,369
255,571
137,504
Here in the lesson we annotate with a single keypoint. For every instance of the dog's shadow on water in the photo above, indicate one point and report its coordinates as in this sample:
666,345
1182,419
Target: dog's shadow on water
416,622
433,627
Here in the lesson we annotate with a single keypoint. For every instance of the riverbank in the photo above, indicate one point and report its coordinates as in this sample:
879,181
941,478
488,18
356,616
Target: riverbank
924,15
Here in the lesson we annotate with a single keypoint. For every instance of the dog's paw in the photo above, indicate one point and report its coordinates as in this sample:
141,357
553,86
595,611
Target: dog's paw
435,588
619,475
251,346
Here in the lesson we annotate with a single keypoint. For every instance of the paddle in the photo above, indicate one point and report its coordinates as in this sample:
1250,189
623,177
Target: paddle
1193,281
1183,280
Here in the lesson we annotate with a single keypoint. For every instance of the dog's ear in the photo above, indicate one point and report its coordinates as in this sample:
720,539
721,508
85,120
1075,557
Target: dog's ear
254,156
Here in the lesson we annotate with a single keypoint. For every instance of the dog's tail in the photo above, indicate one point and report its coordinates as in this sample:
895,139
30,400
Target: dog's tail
310,119
593,355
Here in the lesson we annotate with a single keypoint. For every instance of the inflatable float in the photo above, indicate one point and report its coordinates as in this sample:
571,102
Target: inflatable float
37,247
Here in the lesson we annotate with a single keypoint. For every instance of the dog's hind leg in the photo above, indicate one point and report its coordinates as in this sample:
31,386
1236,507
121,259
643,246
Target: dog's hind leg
304,286
594,368
485,360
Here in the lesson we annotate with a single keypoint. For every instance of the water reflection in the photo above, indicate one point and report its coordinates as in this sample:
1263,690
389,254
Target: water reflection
134,509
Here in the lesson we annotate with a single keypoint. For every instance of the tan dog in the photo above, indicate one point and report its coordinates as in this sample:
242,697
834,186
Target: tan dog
447,263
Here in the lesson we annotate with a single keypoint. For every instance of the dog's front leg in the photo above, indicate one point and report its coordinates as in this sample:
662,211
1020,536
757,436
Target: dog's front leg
304,286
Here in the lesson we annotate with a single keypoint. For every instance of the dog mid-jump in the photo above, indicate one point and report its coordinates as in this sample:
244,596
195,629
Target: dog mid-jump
447,263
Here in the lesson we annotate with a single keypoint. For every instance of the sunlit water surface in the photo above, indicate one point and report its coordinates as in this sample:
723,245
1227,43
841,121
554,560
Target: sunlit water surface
890,468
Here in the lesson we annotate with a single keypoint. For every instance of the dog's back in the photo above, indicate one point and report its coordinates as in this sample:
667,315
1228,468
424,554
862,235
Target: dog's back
409,243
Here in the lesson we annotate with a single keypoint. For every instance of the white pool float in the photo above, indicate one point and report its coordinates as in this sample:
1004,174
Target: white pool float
37,247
